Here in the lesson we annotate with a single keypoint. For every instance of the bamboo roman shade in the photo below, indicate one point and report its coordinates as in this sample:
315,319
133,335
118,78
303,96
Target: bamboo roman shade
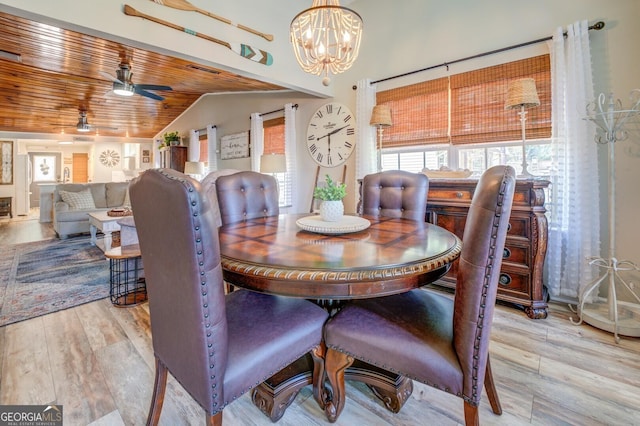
419,113
273,136
423,115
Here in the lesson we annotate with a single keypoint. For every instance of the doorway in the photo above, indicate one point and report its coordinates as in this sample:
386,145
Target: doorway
80,167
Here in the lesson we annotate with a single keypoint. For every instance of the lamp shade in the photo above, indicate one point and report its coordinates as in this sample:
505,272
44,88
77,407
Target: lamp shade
193,168
381,116
273,163
522,93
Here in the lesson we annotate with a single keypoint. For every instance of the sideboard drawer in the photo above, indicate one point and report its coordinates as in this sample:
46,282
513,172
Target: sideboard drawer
519,226
516,254
514,281
449,195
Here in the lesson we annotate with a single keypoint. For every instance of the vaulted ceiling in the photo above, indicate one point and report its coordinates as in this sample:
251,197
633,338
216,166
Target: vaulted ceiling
48,75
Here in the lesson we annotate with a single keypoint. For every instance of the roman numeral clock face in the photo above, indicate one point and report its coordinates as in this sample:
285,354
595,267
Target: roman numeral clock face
331,135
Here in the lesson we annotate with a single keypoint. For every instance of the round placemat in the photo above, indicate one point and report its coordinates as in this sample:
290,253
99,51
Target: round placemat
345,225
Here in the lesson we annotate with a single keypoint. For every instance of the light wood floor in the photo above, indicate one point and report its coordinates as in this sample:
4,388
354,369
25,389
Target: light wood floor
97,361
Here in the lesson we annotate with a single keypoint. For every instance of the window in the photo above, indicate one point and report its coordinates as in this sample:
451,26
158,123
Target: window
203,141
460,121
274,144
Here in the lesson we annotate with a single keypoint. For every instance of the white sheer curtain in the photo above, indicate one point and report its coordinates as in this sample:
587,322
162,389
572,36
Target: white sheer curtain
257,141
574,199
366,142
290,153
193,152
212,140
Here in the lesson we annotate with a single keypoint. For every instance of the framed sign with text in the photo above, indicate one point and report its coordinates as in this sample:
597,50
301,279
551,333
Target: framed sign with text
234,146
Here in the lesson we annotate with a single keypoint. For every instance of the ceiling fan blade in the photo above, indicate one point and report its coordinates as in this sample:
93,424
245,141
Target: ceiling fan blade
110,77
152,87
102,127
148,94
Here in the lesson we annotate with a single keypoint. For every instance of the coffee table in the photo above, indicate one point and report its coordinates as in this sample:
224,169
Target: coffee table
105,223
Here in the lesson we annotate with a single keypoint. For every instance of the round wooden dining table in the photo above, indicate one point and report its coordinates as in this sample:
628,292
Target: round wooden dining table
287,255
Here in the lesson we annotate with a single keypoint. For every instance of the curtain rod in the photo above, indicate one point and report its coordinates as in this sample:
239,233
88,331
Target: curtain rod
205,129
597,26
274,111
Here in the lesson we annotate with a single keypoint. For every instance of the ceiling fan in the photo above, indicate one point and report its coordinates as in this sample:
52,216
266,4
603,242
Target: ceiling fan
123,86
83,124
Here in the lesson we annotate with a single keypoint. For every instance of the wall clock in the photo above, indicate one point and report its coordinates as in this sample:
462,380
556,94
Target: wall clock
109,158
331,134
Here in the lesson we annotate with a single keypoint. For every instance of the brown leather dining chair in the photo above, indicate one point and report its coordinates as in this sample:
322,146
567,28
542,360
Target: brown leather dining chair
247,195
209,188
426,336
395,193
216,346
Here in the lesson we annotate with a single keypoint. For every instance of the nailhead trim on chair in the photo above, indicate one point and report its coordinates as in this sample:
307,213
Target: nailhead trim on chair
205,304
474,400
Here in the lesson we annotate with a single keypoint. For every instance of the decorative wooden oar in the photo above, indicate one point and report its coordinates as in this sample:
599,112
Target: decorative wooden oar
244,50
185,5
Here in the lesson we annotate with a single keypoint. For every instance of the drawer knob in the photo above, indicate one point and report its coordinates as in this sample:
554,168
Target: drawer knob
506,253
458,194
505,279
508,226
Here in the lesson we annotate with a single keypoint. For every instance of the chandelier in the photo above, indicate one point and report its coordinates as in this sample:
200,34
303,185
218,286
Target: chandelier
326,38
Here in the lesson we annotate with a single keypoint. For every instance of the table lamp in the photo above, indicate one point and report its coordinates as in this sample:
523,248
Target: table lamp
522,94
381,118
273,163
194,169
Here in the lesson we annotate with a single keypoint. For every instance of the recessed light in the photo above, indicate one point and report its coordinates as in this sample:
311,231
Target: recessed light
16,57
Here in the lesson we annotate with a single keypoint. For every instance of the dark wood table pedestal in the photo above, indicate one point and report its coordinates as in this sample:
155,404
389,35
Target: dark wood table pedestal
275,395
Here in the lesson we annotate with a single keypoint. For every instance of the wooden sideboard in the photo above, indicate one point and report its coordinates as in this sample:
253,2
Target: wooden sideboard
526,246
173,157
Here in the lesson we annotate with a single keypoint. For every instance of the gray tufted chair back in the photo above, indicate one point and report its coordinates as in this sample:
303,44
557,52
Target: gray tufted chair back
395,193
247,195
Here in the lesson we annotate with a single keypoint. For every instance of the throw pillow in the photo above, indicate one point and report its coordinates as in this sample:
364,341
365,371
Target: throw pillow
80,200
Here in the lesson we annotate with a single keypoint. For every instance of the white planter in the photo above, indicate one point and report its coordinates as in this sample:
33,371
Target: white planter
331,211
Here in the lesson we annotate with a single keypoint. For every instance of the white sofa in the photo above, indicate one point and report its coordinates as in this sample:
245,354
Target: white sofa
74,219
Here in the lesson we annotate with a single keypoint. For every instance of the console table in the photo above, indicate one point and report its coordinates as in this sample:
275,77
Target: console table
526,246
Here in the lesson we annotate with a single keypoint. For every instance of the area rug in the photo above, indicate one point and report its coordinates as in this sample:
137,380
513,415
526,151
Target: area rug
46,276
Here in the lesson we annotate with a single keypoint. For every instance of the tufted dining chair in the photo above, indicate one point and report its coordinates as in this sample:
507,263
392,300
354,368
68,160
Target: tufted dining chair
217,347
395,193
209,188
247,195
426,336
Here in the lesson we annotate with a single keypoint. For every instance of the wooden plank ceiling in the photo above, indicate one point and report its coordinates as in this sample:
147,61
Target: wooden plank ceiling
59,75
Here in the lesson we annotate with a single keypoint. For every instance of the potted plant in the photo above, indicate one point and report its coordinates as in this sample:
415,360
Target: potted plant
171,138
331,207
